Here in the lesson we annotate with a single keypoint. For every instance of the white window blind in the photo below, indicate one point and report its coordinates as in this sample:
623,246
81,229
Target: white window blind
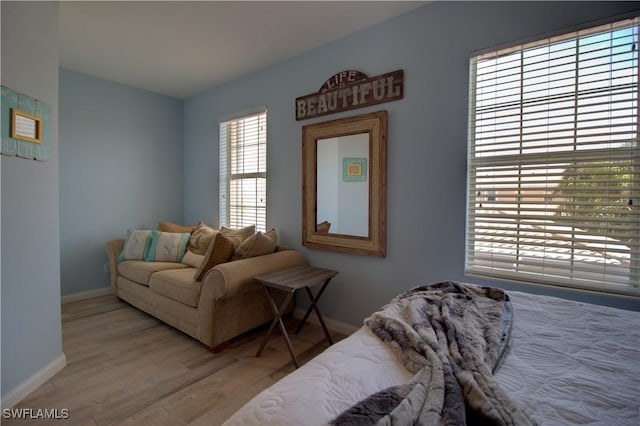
554,161
243,171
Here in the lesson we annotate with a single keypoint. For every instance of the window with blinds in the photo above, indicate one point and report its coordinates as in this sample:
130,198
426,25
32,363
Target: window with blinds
243,171
554,161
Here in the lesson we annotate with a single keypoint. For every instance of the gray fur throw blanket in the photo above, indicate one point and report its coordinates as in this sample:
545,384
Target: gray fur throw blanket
452,336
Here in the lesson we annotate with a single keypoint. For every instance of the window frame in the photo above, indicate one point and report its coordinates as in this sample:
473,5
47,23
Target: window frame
476,267
232,145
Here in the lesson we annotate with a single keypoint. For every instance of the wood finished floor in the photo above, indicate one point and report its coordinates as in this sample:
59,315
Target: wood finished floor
125,367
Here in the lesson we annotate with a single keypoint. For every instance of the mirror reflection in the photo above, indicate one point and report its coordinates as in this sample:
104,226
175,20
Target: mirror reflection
343,185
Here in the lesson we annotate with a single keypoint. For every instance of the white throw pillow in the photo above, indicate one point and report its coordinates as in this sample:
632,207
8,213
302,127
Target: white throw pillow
136,245
167,246
192,259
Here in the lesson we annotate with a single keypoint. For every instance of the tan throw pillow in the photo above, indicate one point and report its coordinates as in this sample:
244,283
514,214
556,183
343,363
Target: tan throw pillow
220,251
238,235
192,259
174,227
258,244
201,239
323,227
271,233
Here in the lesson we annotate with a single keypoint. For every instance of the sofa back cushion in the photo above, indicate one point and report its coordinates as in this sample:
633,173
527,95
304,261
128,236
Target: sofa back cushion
174,227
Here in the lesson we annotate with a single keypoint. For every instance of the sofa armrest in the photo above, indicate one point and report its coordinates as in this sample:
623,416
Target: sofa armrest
114,248
231,278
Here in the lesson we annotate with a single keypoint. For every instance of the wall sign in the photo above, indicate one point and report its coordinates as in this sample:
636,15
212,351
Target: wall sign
26,126
349,90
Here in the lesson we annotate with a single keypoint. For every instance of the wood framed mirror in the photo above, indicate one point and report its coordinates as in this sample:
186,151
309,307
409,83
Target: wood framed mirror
344,184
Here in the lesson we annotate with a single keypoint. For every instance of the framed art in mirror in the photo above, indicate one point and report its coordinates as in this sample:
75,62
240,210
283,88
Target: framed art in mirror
344,188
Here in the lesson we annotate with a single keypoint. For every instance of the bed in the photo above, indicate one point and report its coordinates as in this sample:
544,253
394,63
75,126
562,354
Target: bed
567,363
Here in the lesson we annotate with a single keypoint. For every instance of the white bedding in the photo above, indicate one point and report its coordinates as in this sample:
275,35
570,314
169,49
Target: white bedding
568,363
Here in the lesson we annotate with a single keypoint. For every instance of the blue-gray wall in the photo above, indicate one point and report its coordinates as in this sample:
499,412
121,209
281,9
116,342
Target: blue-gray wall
427,141
121,166
30,318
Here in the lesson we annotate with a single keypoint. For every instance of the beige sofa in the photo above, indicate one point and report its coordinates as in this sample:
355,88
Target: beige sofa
226,303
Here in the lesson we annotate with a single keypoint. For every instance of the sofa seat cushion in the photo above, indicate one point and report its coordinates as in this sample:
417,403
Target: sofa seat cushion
177,284
140,271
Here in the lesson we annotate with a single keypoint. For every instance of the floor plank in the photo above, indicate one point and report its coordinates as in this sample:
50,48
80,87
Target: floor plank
125,367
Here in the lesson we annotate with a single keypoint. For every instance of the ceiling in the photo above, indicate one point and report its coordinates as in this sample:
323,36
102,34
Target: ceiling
181,48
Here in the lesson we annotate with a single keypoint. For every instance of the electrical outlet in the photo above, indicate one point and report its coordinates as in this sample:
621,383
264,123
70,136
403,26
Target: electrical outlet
106,268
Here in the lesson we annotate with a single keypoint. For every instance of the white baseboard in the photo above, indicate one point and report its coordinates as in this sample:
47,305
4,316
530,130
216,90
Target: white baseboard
85,295
339,326
34,382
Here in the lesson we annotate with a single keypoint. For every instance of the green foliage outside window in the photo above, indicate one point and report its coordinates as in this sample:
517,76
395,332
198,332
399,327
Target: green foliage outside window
595,195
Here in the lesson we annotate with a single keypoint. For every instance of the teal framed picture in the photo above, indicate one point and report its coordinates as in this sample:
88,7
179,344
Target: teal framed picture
354,169
26,126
